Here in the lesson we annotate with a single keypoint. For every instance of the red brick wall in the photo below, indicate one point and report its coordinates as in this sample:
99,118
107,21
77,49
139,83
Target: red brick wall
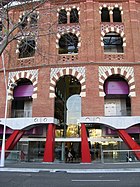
43,105
90,55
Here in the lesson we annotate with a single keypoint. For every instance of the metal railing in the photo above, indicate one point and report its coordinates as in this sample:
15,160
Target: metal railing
21,113
119,156
14,156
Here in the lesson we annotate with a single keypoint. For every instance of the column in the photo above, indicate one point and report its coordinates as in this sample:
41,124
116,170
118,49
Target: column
49,146
85,151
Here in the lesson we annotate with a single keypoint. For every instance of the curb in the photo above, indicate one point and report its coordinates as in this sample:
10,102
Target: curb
35,170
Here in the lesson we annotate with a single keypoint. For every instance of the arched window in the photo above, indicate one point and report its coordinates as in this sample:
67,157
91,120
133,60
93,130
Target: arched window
117,15
113,43
74,17
24,22
68,44
117,101
116,85
1,31
73,109
22,102
27,48
33,19
0,26
105,17
62,17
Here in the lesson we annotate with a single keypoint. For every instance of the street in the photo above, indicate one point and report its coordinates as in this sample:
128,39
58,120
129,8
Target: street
63,179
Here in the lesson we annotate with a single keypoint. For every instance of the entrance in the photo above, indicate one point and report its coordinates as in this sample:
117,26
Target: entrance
71,148
67,109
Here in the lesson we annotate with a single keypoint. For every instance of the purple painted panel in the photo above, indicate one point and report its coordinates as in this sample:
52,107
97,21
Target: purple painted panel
110,131
8,130
23,91
135,130
35,131
116,87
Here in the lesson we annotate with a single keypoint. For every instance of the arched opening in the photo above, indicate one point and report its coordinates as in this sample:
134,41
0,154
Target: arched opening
105,17
62,19
24,22
113,43
33,19
73,115
22,102
117,101
74,17
67,91
68,44
117,15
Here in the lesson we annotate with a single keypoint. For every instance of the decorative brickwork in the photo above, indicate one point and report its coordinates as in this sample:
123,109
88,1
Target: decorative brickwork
111,57
32,75
111,28
68,58
110,7
68,9
78,72
73,31
126,72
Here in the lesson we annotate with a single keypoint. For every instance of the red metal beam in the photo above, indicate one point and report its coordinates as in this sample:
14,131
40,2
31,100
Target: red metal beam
49,146
85,151
12,140
130,142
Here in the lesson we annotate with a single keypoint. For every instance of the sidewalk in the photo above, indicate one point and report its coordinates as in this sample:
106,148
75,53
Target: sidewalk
71,167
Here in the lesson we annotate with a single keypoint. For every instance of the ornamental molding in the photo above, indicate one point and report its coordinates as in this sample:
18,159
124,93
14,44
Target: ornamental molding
78,72
124,71
110,7
32,75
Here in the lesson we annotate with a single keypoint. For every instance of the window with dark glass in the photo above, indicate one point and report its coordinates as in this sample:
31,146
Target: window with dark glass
113,43
0,26
27,48
68,44
62,17
74,17
105,17
0,31
33,19
24,21
22,98
117,15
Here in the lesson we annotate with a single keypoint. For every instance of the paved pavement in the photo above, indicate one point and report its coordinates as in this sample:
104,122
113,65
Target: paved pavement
71,167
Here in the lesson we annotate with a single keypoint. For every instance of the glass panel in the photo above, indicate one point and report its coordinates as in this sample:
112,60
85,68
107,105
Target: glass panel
105,17
113,43
73,114
117,15
62,17
74,17
27,48
68,44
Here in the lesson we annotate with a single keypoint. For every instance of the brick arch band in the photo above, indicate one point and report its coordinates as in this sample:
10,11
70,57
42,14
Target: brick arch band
56,73
73,31
32,75
110,7
113,29
68,9
126,72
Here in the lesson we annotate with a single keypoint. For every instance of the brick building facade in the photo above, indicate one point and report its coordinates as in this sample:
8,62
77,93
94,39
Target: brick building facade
84,50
